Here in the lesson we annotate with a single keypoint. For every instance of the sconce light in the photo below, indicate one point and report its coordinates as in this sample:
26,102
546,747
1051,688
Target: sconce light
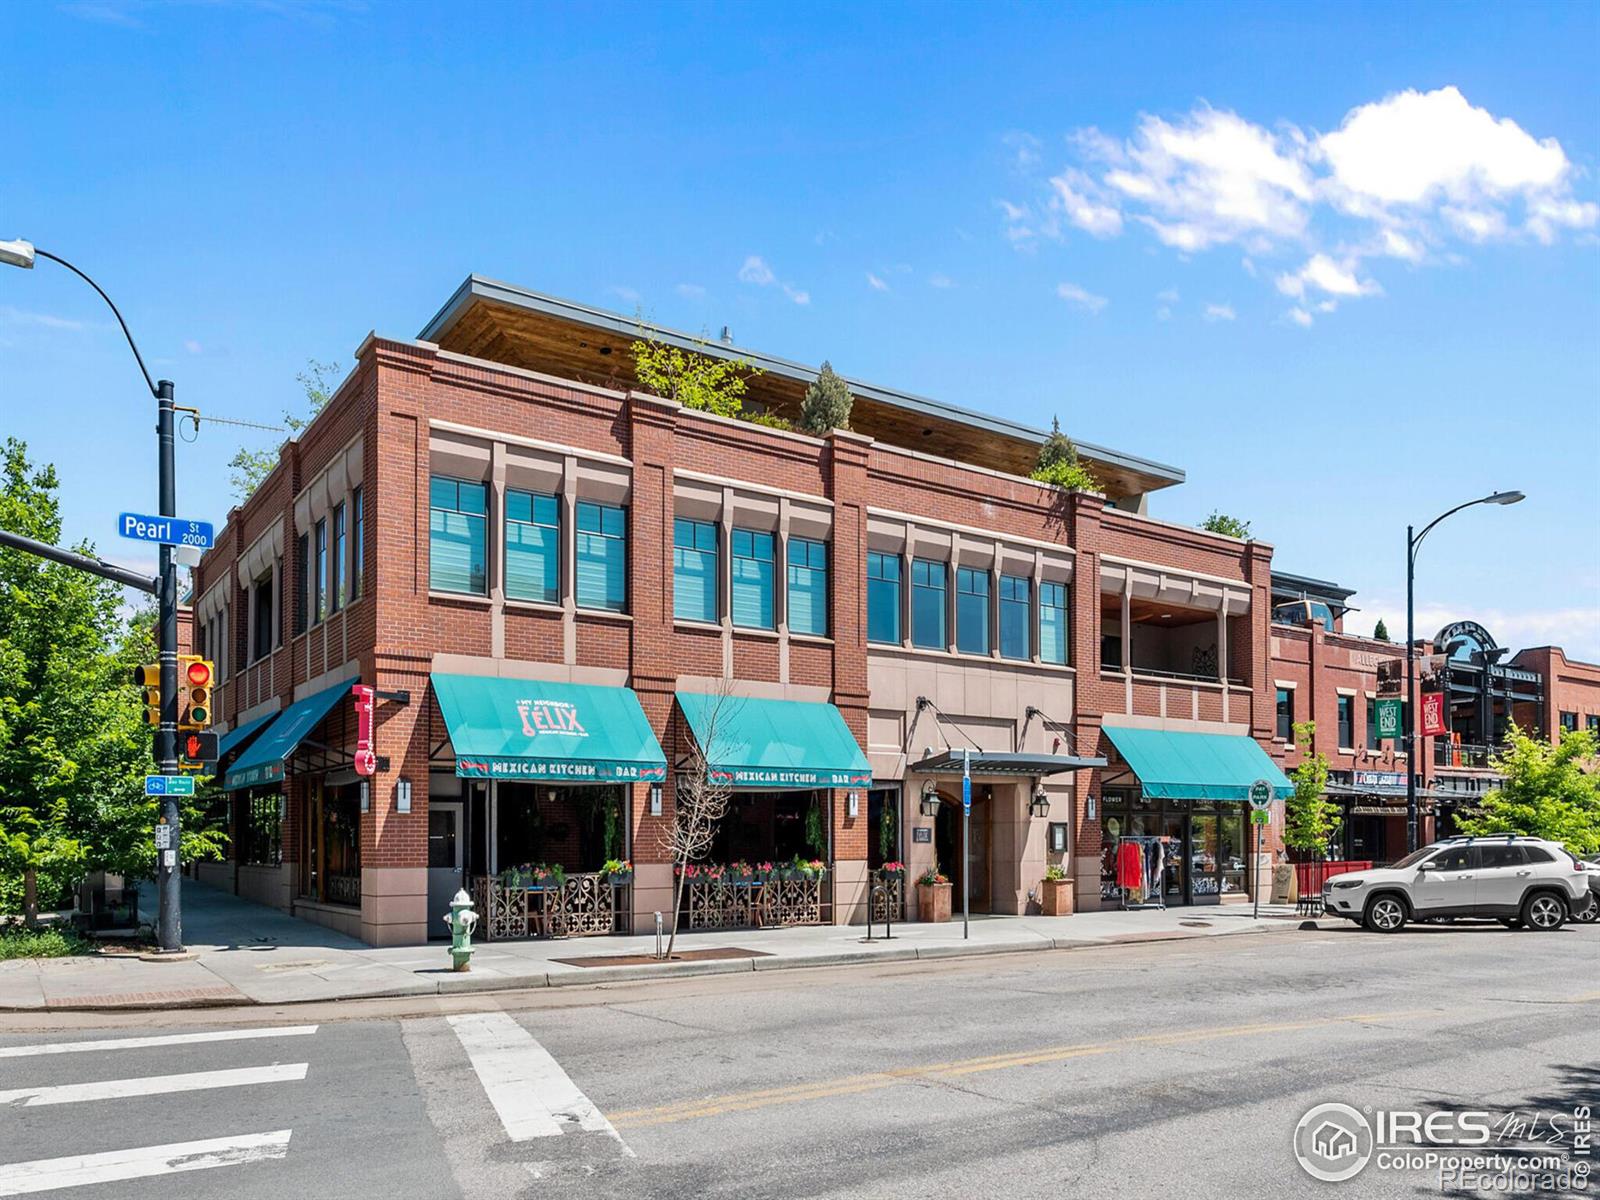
1041,804
930,800
852,804
402,795
366,796
655,799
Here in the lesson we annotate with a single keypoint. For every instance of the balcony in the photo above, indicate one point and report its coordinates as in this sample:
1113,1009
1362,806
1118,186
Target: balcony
1465,754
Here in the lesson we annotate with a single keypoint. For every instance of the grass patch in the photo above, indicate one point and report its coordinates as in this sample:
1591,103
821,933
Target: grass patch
16,942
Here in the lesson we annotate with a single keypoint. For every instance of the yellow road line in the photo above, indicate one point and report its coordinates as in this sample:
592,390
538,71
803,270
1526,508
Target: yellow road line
874,1081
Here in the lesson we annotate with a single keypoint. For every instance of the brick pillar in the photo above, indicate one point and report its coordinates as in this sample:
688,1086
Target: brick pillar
845,473
1091,698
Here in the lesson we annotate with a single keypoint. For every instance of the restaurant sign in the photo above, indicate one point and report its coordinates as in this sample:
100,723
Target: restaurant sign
567,770
773,777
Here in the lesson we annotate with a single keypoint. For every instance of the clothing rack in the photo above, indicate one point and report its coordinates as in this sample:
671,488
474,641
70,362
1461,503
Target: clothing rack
1141,870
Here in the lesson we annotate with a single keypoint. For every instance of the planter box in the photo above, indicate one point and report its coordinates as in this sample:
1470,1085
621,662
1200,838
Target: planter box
933,901
1055,897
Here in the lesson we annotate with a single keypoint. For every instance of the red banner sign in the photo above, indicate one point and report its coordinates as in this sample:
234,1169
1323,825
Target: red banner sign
1432,714
366,757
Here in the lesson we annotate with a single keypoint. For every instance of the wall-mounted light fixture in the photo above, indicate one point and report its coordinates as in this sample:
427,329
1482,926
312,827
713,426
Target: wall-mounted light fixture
852,804
402,795
655,799
930,800
1041,803
366,796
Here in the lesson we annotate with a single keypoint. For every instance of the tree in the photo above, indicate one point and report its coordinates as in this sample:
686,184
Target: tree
1058,463
1380,631
319,381
698,381
1310,819
1221,522
700,799
1548,791
827,403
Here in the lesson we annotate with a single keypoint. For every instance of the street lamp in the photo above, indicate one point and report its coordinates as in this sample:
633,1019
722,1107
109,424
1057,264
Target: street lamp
23,254
1413,542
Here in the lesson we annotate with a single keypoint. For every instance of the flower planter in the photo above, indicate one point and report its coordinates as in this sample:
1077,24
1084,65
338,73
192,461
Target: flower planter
933,901
1055,897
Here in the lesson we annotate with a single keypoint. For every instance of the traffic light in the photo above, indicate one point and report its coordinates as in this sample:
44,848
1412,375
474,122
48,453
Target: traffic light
197,750
148,677
194,692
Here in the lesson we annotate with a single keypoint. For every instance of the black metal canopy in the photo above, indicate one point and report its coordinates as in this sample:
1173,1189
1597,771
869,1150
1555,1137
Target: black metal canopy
994,762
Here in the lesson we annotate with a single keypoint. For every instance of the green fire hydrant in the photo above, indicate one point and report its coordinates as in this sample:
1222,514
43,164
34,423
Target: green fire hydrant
462,921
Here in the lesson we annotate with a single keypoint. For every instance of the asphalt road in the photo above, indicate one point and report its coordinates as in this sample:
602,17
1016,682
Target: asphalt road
1173,1070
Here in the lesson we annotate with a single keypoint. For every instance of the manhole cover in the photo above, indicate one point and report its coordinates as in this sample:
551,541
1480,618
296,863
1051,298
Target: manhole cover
1196,924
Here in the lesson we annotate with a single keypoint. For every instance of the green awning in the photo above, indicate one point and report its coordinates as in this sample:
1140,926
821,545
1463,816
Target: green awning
1196,766
769,744
263,761
239,734
525,729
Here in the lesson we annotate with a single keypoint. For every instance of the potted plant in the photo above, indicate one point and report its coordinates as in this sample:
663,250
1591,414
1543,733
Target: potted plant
893,868
741,874
766,872
933,895
1055,892
618,872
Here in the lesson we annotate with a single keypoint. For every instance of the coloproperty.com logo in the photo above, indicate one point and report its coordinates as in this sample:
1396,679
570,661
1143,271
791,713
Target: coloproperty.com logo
1509,1152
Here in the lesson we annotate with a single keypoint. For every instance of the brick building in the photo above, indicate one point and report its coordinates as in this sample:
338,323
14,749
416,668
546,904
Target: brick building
561,586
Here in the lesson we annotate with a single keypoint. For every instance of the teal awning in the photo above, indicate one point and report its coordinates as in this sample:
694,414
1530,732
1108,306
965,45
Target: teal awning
768,744
525,729
1196,766
239,734
263,761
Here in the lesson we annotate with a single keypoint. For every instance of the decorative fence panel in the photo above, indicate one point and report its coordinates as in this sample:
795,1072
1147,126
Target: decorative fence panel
583,905
891,900
720,904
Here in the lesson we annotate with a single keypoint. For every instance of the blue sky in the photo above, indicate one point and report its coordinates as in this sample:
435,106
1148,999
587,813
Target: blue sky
1340,263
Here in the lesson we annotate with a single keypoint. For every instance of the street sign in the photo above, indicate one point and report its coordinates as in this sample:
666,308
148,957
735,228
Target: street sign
1260,795
1261,817
163,837
1433,714
168,785
1388,713
169,531
966,787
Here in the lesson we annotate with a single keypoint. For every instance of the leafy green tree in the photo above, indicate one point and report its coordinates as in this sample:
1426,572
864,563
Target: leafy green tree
1380,631
1058,463
1310,821
827,403
698,381
249,467
1221,522
1548,791
33,847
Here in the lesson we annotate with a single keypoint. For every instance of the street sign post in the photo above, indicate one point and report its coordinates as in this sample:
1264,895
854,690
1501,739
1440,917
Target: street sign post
167,531
168,785
1260,817
966,822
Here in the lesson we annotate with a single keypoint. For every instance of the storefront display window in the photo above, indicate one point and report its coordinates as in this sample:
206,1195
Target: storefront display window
1208,845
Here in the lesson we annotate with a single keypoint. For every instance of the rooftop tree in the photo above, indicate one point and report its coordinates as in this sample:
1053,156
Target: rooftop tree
1058,463
827,403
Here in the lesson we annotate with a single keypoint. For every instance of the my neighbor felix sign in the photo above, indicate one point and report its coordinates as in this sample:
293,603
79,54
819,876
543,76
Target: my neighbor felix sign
169,531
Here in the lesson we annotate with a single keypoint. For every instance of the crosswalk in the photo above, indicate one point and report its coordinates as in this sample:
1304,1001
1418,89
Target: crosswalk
228,1101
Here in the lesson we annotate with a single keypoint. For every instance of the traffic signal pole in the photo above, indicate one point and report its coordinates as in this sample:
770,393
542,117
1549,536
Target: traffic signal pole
169,924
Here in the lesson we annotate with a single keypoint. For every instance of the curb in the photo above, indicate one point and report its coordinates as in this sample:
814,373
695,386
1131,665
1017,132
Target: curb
451,983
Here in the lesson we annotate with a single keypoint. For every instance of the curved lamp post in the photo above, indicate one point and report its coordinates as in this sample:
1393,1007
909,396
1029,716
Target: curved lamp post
169,927
1413,542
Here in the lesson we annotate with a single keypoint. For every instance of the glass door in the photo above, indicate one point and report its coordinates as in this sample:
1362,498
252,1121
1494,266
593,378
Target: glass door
1204,858
1175,873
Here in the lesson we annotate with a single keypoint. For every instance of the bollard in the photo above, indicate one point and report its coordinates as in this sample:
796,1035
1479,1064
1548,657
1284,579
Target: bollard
462,920
659,951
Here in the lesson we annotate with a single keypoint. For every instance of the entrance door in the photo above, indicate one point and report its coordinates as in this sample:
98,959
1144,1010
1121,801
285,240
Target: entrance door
445,875
947,847
978,855
1175,874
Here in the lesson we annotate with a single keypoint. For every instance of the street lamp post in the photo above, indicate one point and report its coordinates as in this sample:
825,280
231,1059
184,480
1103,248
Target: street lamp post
1413,541
170,923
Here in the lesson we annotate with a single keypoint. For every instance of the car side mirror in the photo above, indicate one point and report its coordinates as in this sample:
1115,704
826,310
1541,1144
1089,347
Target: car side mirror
1427,866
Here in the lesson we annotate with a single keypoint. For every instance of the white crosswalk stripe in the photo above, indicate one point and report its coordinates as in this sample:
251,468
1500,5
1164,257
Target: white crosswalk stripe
78,1170
151,1085
165,1039
530,1092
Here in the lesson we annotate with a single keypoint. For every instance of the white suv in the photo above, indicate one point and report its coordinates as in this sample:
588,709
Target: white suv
1523,881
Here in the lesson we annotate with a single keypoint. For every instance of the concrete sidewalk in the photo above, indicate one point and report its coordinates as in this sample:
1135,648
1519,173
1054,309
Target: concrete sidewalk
250,954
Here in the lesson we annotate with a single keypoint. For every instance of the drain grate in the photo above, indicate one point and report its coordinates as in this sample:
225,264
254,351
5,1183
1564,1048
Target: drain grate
1195,924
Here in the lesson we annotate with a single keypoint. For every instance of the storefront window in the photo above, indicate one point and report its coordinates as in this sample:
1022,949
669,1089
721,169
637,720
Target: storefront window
331,850
260,831
883,597
1231,851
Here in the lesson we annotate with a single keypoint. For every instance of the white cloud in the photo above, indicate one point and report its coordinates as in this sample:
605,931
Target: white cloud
796,294
690,291
1322,273
192,346
1219,312
1576,630
1081,297
1024,148
1078,198
1300,317
39,320
941,281
1475,224
1168,295
756,271
876,284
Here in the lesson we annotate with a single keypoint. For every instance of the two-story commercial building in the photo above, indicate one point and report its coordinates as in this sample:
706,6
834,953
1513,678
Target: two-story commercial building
564,588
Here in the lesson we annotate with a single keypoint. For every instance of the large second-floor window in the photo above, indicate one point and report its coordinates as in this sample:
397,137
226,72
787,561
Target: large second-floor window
319,570
533,546
694,570
1372,723
1347,722
336,564
1053,623
602,557
1285,728
972,611
751,603
458,559
261,615
883,597
929,624
808,587
1016,612
358,540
